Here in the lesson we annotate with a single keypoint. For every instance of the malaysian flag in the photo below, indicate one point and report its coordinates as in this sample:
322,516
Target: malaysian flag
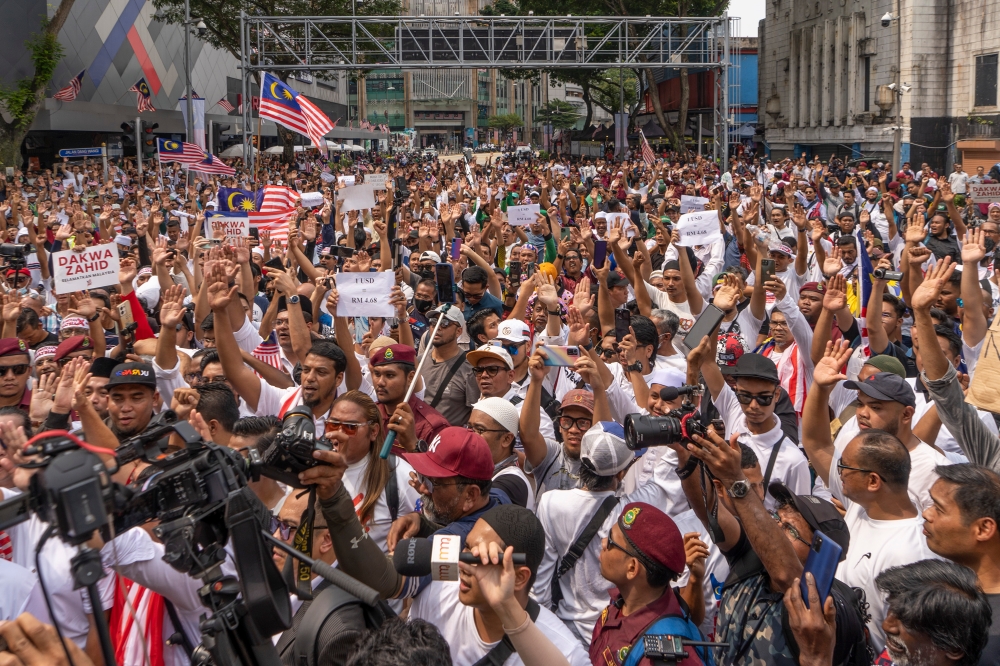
69,93
231,199
864,292
224,103
212,164
647,153
179,151
276,222
269,352
142,95
278,198
292,110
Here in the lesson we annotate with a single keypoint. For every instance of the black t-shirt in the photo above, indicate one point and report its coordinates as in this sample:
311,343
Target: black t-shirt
513,486
991,654
947,247
51,340
899,354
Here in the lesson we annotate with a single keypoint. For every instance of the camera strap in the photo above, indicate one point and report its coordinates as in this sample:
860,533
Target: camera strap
303,542
714,529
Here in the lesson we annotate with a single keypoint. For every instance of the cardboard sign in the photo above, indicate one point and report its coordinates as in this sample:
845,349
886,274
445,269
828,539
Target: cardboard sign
984,192
376,180
94,267
521,216
984,390
312,199
356,197
365,294
691,204
698,228
327,177
231,226
626,221
345,180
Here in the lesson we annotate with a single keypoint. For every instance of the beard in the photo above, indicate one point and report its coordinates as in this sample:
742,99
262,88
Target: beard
125,434
432,512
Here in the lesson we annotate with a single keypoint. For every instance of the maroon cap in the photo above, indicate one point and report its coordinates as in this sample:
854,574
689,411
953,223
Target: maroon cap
653,535
817,287
454,452
394,354
12,347
70,345
578,398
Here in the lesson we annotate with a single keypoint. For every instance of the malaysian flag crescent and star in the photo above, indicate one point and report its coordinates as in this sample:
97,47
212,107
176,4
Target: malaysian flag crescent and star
243,201
179,151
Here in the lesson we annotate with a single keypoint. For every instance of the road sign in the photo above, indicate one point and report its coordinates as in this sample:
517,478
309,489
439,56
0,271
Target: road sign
81,152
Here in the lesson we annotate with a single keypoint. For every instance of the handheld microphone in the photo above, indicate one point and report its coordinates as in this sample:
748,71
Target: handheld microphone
438,556
668,393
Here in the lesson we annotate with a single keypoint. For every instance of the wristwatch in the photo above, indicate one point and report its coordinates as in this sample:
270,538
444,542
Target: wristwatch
97,315
739,489
634,367
294,299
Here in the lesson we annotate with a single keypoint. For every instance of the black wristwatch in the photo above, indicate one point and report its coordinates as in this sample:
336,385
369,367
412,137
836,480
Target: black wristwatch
97,315
688,469
634,367
555,313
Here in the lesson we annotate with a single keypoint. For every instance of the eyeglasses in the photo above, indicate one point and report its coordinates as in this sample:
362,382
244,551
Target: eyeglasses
794,533
841,467
779,324
429,483
18,369
762,400
348,428
583,424
286,529
491,371
479,430
219,379
612,545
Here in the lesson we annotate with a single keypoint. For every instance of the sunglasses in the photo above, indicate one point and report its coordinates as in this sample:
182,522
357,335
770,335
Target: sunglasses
762,400
612,545
511,349
19,369
286,530
333,426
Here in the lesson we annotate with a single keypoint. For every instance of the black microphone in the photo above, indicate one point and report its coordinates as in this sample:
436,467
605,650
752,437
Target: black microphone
345,582
438,556
668,393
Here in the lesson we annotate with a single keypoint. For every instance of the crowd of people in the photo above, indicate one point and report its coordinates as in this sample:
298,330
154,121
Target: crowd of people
671,433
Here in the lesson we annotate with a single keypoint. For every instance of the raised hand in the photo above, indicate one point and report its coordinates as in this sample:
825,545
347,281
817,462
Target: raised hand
835,294
926,295
915,232
695,555
728,294
547,292
582,298
127,271
973,246
220,295
833,263
172,309
828,370
587,369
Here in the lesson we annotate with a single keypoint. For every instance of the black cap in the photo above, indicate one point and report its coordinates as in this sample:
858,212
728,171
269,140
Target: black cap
886,386
820,514
616,279
133,373
103,366
755,366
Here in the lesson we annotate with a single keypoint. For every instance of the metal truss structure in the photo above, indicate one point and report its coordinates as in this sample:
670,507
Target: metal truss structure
314,44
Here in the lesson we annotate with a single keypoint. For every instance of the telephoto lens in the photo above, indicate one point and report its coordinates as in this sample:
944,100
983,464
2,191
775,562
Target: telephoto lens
643,431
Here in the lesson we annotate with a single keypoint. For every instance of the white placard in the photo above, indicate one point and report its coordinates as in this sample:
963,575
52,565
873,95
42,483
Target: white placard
356,197
312,199
345,181
626,220
698,228
327,177
232,226
984,192
365,294
520,216
376,180
691,204
94,267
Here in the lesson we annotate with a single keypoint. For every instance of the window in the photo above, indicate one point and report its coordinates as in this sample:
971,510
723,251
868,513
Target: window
868,82
986,80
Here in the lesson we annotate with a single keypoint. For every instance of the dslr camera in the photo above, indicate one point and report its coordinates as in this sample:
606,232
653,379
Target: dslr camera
291,452
677,427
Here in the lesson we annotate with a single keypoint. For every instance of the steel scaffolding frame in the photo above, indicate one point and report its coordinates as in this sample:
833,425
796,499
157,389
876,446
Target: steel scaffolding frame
323,43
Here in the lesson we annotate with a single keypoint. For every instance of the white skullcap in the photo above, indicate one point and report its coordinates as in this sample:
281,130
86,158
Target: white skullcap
501,411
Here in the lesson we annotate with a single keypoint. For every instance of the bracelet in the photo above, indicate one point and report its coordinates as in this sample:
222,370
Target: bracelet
555,313
94,318
516,630
559,256
688,469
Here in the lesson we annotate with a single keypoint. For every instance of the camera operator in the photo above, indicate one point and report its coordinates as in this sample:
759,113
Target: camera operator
257,432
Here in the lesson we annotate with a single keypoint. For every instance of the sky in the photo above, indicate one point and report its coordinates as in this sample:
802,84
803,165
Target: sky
749,12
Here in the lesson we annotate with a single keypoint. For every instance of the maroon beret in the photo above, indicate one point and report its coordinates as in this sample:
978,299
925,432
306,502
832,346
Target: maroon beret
72,344
653,535
817,287
394,354
13,347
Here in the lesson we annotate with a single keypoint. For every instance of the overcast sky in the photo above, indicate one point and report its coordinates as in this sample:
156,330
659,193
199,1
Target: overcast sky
750,12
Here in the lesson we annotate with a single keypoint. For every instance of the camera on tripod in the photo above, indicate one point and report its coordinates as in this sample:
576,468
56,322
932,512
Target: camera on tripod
676,427
291,452
15,254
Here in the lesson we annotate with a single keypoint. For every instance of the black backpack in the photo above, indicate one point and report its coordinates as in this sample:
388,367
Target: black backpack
322,608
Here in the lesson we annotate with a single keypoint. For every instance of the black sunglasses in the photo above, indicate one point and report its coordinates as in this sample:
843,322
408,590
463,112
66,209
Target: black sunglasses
762,400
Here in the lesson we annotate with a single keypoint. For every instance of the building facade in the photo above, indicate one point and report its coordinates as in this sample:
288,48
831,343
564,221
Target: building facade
826,69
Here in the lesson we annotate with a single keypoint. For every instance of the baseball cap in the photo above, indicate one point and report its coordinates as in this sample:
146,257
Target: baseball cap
454,451
819,513
103,366
885,386
603,448
394,354
886,363
754,366
616,279
513,330
501,411
429,255
783,249
132,373
578,398
490,351
653,535
452,314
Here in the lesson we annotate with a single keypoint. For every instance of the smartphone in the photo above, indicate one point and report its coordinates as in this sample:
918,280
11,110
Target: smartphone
529,270
274,262
559,355
346,252
254,233
397,254
564,233
623,320
600,253
444,275
125,312
707,322
515,273
456,248
822,561
766,269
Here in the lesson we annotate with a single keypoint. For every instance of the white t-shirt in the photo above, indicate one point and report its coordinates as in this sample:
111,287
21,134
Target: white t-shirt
557,471
378,526
790,466
16,583
439,605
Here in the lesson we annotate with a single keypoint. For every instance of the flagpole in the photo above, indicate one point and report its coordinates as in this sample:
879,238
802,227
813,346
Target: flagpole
257,157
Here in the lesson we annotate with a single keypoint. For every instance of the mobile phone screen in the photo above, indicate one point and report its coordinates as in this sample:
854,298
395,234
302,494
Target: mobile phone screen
444,275
600,253
623,320
456,248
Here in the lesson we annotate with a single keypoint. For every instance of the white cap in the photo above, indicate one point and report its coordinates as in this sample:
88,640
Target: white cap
666,377
500,411
513,330
603,448
490,351
428,254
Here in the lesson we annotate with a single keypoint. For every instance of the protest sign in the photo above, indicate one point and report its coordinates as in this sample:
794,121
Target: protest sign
345,180
625,220
312,199
698,228
94,267
327,177
365,294
520,216
376,180
691,204
231,226
984,192
356,197
984,390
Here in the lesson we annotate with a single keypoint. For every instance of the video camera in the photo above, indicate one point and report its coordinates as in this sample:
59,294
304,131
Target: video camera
15,254
291,452
677,427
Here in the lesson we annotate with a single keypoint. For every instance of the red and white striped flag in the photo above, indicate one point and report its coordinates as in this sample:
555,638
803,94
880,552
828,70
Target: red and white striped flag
224,103
69,93
214,165
269,352
278,198
143,96
647,152
276,222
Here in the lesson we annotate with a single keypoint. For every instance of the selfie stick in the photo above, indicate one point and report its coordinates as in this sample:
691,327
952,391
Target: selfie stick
390,436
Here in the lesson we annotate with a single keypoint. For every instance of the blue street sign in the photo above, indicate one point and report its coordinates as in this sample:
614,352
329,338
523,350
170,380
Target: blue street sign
81,152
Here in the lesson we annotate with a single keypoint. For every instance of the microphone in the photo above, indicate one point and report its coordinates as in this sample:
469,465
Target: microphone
668,393
350,585
438,556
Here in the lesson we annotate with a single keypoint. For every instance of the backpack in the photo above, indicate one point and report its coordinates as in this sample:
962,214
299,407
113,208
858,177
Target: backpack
852,619
322,608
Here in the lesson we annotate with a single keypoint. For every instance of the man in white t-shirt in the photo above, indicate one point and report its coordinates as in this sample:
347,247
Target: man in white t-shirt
496,421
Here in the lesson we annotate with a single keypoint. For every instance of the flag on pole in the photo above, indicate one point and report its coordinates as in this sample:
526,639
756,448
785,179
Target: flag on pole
224,103
278,198
647,152
231,199
292,110
212,164
179,151
69,93
865,291
143,97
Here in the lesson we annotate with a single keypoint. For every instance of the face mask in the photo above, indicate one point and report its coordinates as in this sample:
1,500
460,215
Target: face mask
422,306
426,273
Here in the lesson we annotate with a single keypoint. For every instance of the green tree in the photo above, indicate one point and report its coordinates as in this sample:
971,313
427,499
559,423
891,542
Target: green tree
23,100
561,115
505,122
223,20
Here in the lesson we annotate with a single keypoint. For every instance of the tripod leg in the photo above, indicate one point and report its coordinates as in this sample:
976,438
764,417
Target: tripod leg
107,647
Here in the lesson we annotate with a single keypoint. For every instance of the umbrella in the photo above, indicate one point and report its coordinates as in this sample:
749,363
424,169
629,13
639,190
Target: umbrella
236,151
652,130
355,148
